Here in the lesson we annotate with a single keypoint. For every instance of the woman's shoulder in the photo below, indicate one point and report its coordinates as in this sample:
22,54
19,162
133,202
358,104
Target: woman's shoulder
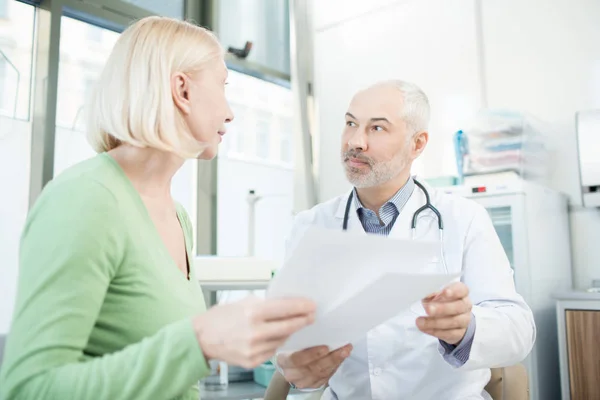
90,184
78,209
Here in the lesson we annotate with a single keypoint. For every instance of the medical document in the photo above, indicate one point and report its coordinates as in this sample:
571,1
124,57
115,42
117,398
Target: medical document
358,281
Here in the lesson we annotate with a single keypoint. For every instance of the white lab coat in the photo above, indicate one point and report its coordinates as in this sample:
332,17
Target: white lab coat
397,361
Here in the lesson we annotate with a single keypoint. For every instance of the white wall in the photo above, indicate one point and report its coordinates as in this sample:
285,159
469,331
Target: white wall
544,57
431,43
334,12
538,56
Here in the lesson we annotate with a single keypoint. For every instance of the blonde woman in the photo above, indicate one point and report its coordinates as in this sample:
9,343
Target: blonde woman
108,306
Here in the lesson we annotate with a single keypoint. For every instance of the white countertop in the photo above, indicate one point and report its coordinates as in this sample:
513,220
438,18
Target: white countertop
578,295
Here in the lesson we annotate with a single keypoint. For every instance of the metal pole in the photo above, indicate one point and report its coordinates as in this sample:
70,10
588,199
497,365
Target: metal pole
48,18
301,66
252,199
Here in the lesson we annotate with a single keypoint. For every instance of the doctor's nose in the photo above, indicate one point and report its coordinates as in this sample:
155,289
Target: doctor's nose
358,141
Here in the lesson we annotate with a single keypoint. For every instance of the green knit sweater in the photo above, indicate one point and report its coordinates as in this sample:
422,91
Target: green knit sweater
102,310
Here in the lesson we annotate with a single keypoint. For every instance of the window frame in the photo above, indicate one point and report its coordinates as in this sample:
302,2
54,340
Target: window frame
114,15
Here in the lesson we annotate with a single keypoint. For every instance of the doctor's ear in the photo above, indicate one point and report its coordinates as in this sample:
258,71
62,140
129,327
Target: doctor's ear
420,141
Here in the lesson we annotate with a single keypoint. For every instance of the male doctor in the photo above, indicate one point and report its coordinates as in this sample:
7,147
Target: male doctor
440,349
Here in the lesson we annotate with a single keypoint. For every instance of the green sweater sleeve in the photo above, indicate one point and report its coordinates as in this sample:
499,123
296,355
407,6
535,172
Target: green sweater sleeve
72,247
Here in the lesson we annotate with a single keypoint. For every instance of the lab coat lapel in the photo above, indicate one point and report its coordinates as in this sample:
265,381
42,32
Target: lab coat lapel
354,224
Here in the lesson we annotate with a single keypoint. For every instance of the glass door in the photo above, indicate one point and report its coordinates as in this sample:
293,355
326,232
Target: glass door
502,220
507,213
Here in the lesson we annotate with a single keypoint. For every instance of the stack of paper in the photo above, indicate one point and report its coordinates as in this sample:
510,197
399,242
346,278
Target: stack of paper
358,281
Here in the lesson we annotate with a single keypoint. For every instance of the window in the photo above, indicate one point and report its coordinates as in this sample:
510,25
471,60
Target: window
16,58
263,136
261,129
4,95
79,66
286,141
3,9
244,20
94,33
16,44
258,142
167,8
286,150
236,131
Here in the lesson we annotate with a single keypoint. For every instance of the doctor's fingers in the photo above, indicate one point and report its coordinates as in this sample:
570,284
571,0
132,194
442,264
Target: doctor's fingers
454,291
325,366
302,358
457,307
435,323
312,383
304,378
319,354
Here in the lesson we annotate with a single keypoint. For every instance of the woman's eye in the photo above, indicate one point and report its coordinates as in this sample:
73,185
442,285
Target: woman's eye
377,128
350,123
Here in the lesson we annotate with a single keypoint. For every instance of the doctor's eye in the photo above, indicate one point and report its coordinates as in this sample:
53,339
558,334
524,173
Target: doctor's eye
377,128
350,123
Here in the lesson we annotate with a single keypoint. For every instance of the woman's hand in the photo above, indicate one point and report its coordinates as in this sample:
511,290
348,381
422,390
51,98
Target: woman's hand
248,332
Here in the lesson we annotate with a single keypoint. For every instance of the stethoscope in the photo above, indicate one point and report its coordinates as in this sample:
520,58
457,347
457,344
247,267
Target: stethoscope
413,225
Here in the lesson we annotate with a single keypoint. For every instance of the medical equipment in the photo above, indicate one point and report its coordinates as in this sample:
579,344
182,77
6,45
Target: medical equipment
533,226
218,378
588,127
498,141
461,149
413,225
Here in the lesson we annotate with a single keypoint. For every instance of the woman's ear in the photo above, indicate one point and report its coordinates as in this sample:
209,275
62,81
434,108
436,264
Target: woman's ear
180,92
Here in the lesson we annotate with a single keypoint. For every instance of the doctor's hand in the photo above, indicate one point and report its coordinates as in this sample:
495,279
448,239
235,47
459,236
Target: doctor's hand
448,313
312,368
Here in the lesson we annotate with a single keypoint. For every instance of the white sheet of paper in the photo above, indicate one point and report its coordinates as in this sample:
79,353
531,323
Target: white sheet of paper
358,281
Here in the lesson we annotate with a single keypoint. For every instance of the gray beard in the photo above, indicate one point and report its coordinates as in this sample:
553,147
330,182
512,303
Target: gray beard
379,173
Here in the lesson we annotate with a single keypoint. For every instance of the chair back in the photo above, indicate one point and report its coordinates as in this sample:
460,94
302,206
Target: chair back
509,383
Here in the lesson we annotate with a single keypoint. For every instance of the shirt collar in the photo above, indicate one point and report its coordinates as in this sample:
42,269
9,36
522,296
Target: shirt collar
398,200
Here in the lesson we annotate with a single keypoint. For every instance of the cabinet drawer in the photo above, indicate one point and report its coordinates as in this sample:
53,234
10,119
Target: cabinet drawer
583,347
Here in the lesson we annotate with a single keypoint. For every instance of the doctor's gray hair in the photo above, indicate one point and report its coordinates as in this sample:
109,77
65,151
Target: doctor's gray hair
415,108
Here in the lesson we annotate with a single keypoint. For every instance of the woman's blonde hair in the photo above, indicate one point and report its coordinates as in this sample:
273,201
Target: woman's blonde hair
132,102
